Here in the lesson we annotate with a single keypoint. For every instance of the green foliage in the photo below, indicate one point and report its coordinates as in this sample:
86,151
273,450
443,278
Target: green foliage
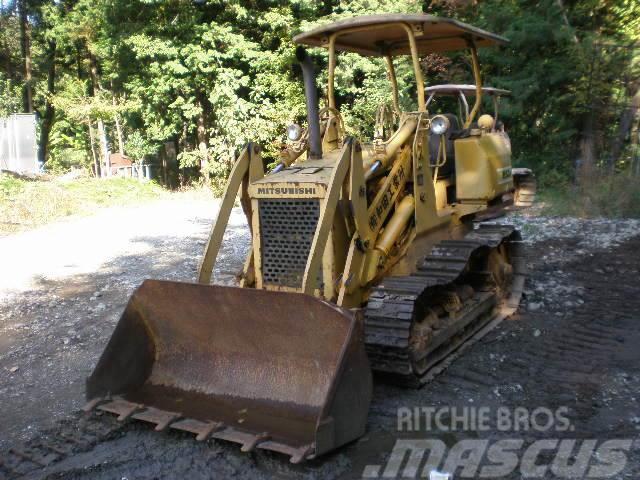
138,147
164,68
558,73
81,107
68,146
66,159
10,82
542,67
10,186
10,97
608,196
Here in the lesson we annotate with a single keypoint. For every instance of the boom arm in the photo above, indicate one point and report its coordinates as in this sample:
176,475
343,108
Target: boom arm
247,168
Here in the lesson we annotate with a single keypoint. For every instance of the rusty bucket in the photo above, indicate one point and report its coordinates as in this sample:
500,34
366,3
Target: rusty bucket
272,370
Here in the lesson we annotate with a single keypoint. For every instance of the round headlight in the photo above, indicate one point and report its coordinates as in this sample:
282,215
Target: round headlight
439,124
294,132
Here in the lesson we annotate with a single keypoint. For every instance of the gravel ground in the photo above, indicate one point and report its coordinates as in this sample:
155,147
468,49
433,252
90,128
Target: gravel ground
63,288
573,342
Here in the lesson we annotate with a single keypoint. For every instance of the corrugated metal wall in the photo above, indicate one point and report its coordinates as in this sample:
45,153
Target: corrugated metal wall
18,147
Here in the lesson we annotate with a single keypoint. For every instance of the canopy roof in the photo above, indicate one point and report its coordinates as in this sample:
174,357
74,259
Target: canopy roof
452,89
378,35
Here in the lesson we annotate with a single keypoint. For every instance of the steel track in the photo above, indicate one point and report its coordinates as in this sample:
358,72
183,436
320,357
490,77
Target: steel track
396,304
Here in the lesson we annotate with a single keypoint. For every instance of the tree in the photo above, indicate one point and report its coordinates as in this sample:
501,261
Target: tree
138,147
25,46
209,76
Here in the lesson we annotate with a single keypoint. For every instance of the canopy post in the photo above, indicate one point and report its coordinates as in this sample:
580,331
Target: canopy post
478,80
331,100
416,67
394,82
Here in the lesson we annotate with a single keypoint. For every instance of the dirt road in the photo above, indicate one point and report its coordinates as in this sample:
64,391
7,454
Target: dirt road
573,346
63,288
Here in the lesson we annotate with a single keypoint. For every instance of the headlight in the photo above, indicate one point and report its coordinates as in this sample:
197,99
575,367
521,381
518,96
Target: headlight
294,132
439,124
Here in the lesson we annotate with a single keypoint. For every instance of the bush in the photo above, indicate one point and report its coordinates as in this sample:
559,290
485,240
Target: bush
67,159
137,147
616,195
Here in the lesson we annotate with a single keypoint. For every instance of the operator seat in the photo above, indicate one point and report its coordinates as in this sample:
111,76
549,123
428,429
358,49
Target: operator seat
449,167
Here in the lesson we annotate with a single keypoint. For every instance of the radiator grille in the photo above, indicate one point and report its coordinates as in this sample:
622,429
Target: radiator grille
287,227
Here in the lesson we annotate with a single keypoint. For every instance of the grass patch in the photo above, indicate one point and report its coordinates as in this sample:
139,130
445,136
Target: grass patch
613,196
26,203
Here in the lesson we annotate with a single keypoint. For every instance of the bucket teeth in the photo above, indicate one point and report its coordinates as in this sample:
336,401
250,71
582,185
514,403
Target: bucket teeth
212,427
302,454
251,444
203,430
92,404
120,407
161,418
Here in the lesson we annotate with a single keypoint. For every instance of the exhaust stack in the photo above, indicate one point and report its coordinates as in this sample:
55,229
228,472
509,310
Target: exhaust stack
311,96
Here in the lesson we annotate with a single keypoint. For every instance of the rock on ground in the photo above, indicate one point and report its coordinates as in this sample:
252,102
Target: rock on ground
573,342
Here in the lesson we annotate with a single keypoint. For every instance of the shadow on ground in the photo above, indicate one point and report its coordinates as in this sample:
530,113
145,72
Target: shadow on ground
52,335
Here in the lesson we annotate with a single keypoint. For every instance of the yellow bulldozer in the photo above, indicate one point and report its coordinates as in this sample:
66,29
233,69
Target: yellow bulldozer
365,257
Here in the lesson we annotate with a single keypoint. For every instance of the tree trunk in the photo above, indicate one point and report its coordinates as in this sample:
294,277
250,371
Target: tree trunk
565,19
119,134
49,109
184,141
201,136
79,58
96,162
635,146
117,122
26,55
104,148
626,123
587,163
102,131
93,71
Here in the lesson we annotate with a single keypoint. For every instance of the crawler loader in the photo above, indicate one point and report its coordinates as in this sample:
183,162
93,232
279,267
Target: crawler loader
366,257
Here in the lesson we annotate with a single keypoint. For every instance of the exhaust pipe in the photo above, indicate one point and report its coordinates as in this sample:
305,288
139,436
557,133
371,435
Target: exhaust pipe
311,96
